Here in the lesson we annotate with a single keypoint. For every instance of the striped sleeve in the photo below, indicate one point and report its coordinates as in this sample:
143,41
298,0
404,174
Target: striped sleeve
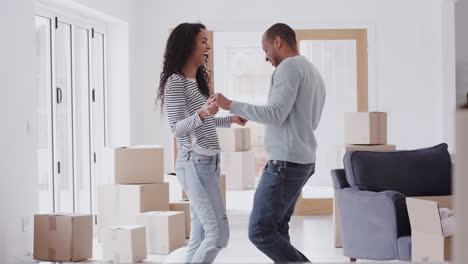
176,108
224,121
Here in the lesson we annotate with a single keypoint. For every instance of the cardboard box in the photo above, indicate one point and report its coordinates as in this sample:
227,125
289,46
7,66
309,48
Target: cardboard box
461,171
124,244
239,168
183,206
119,203
342,149
313,206
428,243
366,128
63,237
165,231
234,139
175,190
135,165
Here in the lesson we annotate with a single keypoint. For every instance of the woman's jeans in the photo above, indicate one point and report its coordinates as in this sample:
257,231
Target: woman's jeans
199,176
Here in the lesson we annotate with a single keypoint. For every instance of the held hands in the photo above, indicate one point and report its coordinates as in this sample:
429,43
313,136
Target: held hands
221,101
209,108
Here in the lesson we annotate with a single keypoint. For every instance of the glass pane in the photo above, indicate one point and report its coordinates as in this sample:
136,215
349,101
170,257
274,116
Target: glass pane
336,61
242,74
81,123
63,147
248,79
98,111
43,114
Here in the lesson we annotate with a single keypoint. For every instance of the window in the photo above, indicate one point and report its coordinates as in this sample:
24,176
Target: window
70,77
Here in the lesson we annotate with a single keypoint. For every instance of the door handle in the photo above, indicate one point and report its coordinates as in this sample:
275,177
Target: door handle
59,95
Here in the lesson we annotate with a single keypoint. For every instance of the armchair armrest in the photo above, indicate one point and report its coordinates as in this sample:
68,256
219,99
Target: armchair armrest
339,179
370,223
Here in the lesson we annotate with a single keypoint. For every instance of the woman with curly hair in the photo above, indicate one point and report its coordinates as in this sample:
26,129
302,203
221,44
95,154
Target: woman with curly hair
183,92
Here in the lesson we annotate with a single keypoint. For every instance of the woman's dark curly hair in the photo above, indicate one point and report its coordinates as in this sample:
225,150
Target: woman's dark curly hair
180,45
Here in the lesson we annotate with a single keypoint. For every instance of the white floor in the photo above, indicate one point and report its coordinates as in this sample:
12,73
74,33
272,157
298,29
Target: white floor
310,234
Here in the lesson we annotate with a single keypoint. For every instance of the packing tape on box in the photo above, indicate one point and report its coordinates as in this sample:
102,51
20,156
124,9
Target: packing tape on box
52,223
51,254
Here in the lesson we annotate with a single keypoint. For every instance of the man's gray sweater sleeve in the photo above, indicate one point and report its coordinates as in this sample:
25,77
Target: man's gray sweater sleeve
282,96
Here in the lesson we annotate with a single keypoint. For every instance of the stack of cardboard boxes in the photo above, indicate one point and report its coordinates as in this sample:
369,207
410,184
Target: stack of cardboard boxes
139,186
139,196
363,131
237,159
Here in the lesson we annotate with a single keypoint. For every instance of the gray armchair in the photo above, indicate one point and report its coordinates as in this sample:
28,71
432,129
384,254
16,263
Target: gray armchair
370,194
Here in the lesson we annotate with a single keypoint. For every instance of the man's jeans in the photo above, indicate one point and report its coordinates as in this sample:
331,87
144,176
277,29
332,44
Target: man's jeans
274,202
199,176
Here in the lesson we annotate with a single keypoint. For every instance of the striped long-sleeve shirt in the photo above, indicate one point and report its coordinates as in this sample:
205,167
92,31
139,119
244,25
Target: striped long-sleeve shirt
182,99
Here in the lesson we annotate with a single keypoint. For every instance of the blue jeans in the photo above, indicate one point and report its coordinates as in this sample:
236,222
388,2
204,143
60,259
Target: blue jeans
275,198
199,176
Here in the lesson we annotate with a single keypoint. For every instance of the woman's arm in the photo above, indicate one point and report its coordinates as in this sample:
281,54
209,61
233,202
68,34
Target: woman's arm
176,108
224,121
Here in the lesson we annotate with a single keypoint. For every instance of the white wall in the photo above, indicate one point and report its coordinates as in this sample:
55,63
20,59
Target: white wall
405,44
17,112
18,105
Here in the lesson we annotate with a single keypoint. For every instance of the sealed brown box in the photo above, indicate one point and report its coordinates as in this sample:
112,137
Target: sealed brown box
119,203
183,206
124,244
342,149
428,243
366,128
313,206
63,237
239,168
135,165
165,231
234,139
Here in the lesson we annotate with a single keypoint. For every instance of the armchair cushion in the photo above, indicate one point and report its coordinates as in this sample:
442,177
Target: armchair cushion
421,172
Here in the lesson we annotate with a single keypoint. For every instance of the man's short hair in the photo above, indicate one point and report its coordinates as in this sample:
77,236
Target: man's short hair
283,31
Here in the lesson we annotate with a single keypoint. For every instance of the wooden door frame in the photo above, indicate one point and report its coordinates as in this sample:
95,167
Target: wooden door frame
360,36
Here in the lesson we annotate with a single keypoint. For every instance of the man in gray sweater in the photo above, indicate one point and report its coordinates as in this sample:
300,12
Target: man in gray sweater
292,113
